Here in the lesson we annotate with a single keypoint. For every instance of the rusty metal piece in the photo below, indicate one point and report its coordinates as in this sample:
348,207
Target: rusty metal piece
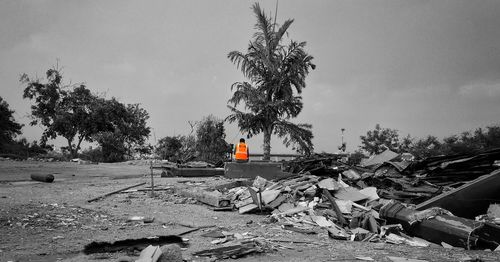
456,231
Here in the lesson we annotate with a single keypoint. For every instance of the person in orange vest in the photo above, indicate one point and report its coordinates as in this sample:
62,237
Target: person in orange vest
241,152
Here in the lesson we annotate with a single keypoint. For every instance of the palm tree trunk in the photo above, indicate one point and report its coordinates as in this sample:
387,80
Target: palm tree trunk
267,145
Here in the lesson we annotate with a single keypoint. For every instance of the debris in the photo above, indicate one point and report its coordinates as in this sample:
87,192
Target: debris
219,241
278,201
477,196
340,217
345,206
259,182
349,193
212,198
247,208
365,258
447,246
43,178
299,230
150,254
456,231
351,175
395,239
322,221
403,259
337,233
370,192
385,156
493,211
328,184
141,243
114,192
292,211
141,218
217,233
125,259
170,253
233,251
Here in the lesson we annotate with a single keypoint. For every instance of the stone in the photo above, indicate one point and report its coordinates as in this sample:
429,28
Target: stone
170,253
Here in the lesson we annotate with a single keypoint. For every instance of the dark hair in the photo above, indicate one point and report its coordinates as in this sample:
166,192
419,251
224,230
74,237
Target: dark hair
242,140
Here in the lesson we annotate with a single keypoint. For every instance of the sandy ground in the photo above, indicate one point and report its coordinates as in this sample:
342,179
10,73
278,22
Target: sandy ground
53,221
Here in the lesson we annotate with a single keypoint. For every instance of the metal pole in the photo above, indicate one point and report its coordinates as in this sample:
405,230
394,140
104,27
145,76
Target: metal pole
152,180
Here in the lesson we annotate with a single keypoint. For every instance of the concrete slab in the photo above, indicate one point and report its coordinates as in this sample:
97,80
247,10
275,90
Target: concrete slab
193,172
267,170
469,200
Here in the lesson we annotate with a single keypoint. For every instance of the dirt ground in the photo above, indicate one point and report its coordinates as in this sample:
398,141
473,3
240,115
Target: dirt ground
53,221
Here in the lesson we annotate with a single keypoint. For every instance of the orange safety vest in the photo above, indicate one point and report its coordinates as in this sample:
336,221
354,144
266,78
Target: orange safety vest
241,152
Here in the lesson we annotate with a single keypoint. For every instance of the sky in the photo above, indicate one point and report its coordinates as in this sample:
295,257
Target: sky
422,67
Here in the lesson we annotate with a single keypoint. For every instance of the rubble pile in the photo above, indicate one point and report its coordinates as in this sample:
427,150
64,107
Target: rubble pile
374,203
455,170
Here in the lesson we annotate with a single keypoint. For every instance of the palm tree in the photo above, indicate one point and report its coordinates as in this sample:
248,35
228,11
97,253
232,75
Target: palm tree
276,75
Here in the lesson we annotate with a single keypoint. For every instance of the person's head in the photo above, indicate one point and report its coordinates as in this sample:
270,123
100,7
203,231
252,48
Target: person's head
242,140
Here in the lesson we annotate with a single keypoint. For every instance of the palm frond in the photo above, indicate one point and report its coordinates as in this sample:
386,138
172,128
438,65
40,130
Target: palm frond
299,136
281,31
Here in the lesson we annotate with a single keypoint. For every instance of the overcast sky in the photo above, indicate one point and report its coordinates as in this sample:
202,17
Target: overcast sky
422,67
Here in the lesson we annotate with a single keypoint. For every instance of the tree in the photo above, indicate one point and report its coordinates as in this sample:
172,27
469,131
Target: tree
169,148
64,110
210,143
9,128
426,147
276,76
378,140
118,128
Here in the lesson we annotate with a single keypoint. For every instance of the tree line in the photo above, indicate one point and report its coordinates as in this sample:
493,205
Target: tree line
73,112
468,142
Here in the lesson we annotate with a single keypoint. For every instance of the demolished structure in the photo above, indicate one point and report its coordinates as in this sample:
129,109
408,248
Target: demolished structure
440,200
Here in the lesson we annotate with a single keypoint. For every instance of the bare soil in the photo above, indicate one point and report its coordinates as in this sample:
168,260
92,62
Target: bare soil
53,221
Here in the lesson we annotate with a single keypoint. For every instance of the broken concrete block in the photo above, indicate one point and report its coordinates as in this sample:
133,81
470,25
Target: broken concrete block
447,246
278,201
247,208
494,211
285,207
212,198
259,182
322,221
371,192
269,195
359,230
349,193
328,184
351,175
244,202
337,233
345,206
150,254
171,253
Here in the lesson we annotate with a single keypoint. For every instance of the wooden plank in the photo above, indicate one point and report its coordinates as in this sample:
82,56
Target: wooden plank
114,192
340,217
